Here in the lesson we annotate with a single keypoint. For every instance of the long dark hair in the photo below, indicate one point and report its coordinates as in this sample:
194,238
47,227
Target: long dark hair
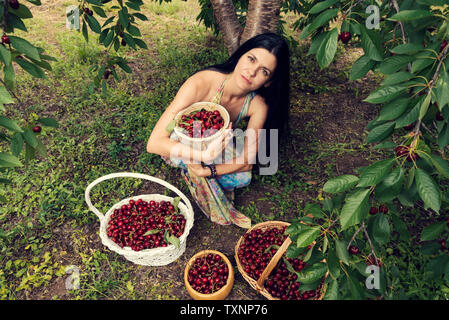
277,94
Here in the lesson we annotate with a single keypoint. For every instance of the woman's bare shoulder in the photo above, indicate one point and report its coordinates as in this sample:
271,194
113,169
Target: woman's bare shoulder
207,77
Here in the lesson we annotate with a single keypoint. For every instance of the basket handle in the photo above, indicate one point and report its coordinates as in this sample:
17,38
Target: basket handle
273,262
131,175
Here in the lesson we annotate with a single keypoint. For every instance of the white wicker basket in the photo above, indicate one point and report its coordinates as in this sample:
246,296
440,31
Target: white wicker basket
201,143
149,257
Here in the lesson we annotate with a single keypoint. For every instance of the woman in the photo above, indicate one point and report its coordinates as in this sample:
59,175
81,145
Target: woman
254,84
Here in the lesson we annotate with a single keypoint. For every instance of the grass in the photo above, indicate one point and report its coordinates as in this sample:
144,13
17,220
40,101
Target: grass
47,227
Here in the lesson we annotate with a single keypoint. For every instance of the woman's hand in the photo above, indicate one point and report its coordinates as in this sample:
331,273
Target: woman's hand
216,147
199,170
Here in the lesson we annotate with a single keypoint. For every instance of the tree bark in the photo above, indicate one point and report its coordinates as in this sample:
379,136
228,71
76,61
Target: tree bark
228,23
263,16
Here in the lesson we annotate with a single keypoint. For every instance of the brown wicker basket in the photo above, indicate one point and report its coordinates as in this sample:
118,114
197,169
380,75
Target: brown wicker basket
258,285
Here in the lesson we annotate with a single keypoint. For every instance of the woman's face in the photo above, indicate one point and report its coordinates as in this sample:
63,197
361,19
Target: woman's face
254,69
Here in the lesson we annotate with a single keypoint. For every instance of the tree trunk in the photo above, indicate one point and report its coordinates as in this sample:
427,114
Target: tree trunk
228,23
263,16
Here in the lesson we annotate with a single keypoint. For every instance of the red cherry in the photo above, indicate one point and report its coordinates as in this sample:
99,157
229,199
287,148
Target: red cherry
353,250
345,36
383,208
14,4
5,39
443,45
37,129
373,210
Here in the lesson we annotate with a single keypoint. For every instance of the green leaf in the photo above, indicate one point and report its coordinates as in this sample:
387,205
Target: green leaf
424,106
331,291
140,16
355,208
312,273
355,287
84,31
340,184
151,232
132,5
99,11
5,55
124,66
393,109
361,67
384,94
380,132
5,97
443,136
320,20
410,15
307,236
371,44
129,40
140,43
22,12
10,76
30,138
394,64
433,231
396,78
428,190
320,6
391,186
23,46
31,68
175,203
109,37
14,22
9,161
171,126
134,31
94,25
409,117
442,90
373,174
48,122
407,48
420,64
173,240
440,164
342,251
16,144
316,43
123,18
381,229
9,124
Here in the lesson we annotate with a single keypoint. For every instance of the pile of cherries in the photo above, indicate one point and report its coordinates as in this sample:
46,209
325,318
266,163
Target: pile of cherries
203,123
208,273
144,224
255,252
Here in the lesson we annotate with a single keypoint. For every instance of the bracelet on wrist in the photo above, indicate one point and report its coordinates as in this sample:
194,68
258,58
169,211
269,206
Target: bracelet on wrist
213,169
